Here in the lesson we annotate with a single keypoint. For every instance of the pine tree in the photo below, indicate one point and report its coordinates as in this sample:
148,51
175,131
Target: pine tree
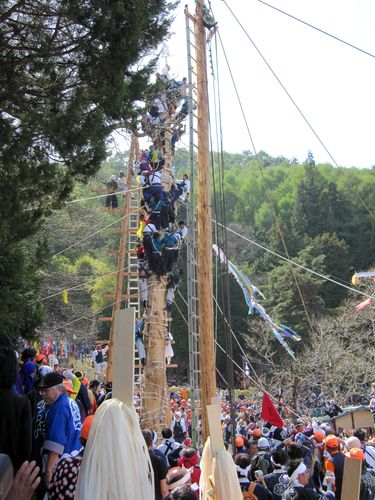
71,73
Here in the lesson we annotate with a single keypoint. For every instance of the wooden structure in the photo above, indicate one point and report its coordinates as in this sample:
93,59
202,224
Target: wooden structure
353,418
123,249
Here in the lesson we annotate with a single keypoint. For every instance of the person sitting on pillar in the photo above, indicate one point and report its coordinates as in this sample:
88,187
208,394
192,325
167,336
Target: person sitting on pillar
156,259
148,231
169,353
155,158
139,341
156,205
111,200
154,187
167,212
182,230
172,287
169,243
143,274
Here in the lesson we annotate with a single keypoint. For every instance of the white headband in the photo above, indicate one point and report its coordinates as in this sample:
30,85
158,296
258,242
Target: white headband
179,482
300,470
243,472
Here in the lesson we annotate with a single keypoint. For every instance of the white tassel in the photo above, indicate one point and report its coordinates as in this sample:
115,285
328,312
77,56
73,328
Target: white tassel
205,486
116,464
227,486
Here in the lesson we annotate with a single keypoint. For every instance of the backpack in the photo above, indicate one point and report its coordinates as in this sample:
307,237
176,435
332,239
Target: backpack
259,462
177,430
249,494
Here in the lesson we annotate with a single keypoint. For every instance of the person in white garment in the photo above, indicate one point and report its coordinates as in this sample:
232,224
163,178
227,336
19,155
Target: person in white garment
168,347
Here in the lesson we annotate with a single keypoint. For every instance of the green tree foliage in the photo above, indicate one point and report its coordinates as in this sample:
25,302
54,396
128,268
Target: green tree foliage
72,71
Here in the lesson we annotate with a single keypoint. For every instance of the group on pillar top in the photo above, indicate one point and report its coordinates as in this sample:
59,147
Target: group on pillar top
161,236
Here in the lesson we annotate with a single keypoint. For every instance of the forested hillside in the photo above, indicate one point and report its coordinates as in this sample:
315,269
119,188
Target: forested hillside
325,227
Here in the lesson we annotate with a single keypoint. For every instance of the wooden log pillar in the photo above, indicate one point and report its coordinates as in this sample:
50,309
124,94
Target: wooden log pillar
205,285
155,397
156,412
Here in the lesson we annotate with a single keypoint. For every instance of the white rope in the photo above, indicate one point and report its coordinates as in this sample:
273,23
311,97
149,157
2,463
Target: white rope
78,200
293,262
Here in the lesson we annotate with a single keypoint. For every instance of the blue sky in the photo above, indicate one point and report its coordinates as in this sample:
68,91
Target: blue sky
332,83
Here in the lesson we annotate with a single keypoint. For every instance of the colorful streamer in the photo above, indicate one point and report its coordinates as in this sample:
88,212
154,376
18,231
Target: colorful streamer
250,293
356,279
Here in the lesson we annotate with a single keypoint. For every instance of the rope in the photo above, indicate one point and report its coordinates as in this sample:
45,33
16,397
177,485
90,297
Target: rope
318,29
358,196
240,367
298,265
269,199
78,200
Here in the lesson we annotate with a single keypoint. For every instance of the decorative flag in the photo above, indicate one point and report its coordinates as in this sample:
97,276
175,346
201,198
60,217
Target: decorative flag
270,413
65,297
363,275
363,304
250,293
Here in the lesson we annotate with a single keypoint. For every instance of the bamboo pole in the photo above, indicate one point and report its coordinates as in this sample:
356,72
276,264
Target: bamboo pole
205,287
124,234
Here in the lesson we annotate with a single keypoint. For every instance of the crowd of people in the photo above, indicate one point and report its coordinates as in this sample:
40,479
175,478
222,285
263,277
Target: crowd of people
46,414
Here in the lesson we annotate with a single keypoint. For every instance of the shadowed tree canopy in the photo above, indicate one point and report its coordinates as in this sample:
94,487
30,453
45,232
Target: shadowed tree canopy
71,72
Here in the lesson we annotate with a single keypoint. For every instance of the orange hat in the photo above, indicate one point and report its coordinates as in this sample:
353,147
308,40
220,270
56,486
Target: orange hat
356,453
86,426
239,441
331,441
85,380
69,388
39,358
257,433
319,436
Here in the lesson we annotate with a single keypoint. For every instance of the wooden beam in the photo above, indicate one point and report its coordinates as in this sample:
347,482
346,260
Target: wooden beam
216,433
351,482
167,366
122,345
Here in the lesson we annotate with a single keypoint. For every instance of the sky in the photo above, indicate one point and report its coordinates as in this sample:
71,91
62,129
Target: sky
333,84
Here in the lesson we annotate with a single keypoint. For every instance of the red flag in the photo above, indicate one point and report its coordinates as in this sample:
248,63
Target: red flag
270,413
363,304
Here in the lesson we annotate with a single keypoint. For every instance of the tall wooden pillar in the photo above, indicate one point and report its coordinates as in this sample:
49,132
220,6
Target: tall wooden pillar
205,285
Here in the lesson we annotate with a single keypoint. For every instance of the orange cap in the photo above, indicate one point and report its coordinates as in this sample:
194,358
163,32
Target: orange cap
319,436
331,441
356,453
86,426
85,380
68,387
239,441
39,358
257,433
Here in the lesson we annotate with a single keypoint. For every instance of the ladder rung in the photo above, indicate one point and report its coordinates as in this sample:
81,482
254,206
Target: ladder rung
113,296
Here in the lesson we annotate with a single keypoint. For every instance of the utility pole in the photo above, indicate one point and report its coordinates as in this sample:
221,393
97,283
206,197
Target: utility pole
205,277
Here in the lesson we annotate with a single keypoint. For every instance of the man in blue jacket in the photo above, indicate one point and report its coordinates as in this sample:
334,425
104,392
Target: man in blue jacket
63,423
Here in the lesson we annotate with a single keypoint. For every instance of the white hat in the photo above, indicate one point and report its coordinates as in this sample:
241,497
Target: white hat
263,443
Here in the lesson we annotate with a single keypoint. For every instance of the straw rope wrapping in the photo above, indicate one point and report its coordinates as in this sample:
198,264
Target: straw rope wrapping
116,463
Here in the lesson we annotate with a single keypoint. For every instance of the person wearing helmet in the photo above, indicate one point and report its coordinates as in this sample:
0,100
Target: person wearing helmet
262,460
334,461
